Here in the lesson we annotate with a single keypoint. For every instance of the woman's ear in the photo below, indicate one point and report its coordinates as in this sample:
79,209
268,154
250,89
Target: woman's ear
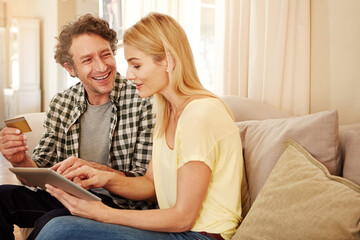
170,62
69,67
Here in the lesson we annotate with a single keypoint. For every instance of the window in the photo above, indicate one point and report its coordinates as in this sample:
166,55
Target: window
111,11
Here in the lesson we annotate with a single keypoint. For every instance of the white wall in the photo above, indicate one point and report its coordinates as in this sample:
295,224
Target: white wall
335,58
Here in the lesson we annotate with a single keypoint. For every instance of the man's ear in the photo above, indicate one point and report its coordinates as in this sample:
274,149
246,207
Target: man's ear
69,67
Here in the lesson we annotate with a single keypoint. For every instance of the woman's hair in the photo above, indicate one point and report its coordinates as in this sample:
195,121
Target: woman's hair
160,36
86,24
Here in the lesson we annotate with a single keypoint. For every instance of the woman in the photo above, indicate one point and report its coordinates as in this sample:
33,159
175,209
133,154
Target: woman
195,171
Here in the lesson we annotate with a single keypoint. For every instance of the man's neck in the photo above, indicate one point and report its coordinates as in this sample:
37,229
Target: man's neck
97,99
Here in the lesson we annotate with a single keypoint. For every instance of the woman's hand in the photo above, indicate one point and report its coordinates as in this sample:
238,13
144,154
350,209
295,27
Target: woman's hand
88,209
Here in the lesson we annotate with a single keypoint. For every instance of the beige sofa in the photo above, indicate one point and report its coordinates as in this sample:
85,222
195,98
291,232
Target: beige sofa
293,186
302,174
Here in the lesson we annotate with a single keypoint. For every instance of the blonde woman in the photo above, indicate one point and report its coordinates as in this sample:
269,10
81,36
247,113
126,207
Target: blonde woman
196,166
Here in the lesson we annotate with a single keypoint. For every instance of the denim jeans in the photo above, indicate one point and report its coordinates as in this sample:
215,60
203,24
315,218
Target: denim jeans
26,208
77,228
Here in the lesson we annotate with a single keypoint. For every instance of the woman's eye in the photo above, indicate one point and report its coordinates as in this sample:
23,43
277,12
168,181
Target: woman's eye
136,66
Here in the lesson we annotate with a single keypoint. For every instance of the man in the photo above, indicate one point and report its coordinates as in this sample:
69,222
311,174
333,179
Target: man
101,122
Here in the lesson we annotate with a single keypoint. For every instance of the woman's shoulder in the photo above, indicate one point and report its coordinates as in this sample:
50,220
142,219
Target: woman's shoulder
206,109
205,104
207,116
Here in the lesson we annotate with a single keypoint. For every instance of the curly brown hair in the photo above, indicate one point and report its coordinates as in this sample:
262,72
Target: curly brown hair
83,25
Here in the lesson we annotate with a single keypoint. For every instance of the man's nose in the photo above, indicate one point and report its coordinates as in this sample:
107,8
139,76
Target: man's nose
99,65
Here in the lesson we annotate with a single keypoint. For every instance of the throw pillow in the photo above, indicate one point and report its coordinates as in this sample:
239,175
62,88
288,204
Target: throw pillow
302,200
351,169
263,140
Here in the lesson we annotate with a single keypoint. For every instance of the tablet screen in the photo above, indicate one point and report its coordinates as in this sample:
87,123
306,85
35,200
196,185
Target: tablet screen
41,176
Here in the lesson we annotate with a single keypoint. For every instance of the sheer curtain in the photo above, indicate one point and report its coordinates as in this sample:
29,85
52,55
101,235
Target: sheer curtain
267,52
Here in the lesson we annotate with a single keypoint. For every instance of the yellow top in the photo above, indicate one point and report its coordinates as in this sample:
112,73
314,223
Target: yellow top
205,132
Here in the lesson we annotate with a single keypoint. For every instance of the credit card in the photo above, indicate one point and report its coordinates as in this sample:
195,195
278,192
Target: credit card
19,123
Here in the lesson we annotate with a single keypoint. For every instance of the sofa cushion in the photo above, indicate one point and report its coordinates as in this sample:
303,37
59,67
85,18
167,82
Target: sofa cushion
302,200
351,168
263,141
243,109
342,132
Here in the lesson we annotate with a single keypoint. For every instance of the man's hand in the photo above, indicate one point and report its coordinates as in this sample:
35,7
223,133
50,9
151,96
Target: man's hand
88,177
13,145
70,164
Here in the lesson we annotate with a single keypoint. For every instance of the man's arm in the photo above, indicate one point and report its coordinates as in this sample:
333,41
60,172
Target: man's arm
54,145
143,145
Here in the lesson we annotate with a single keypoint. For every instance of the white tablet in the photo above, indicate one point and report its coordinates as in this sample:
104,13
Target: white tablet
41,176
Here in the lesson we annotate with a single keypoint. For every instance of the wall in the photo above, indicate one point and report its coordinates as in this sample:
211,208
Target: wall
3,61
335,58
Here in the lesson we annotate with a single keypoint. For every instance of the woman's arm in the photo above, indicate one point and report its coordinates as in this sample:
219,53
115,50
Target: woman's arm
134,188
193,182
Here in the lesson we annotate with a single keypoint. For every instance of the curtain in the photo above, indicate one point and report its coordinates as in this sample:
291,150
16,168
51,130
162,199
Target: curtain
267,52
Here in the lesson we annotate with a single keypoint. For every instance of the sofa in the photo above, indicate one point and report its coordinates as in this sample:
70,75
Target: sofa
301,173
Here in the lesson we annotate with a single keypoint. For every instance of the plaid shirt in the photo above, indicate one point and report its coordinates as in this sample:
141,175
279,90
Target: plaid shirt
130,137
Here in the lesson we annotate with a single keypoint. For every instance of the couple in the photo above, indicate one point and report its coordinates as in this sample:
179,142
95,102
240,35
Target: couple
196,164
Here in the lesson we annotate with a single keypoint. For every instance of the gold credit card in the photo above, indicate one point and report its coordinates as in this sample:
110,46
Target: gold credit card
19,123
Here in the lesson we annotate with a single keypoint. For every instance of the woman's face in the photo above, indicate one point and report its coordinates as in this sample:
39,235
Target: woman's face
150,77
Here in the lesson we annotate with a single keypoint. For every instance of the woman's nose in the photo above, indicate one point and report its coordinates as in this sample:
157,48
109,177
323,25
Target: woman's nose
130,75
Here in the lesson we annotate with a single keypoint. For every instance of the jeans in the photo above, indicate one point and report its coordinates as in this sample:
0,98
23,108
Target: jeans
77,228
26,208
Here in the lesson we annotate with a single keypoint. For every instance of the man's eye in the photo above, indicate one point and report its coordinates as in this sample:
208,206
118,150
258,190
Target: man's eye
86,60
107,54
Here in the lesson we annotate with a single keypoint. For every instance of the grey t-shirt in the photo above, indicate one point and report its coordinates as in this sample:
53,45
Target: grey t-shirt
94,133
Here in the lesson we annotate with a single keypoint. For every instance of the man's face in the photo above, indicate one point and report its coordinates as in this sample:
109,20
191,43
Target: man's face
94,65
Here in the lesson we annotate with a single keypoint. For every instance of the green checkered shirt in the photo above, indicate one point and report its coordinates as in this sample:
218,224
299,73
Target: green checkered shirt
130,137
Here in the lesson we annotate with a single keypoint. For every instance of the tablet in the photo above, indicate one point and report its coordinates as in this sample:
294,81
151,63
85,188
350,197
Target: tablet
41,176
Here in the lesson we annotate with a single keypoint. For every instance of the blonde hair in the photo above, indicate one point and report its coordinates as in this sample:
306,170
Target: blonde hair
160,36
